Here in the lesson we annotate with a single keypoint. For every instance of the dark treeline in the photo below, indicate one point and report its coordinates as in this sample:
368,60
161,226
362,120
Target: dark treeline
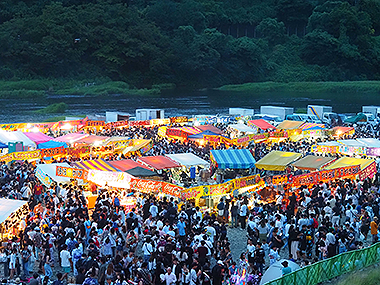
192,43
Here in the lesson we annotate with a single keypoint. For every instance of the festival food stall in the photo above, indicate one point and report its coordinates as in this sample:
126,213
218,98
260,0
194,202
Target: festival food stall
134,168
342,131
326,148
158,162
233,159
293,128
17,136
312,162
261,124
312,130
210,128
239,130
277,160
349,161
47,173
191,166
95,164
38,137
91,140
11,214
352,147
71,138
51,144
372,146
182,133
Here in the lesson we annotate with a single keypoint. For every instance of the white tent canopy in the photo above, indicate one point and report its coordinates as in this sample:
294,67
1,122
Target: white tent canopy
17,136
354,143
187,159
47,172
275,271
369,142
243,128
8,206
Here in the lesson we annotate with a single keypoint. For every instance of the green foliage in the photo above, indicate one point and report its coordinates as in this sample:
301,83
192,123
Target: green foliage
53,109
143,45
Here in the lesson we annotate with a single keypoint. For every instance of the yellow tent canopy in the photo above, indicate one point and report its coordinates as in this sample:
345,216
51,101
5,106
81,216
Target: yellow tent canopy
277,160
349,161
289,125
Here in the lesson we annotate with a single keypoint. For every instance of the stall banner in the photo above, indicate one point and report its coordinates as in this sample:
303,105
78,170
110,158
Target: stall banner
277,179
369,171
95,124
242,140
178,120
260,137
246,181
50,152
218,189
70,172
278,134
121,144
176,133
74,123
373,151
43,177
116,124
151,186
192,193
110,178
352,150
158,122
13,127
139,123
76,151
315,177
325,149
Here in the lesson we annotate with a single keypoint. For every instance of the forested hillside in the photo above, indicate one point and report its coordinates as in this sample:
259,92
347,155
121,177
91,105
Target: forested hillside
192,43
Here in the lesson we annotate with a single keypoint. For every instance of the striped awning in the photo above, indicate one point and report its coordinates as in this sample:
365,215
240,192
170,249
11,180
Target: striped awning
191,130
233,158
96,164
312,126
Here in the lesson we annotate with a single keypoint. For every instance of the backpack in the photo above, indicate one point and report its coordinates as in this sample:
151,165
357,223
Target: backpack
71,245
315,223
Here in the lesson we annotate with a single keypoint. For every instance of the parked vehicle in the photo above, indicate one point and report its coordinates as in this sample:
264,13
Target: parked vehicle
281,112
324,113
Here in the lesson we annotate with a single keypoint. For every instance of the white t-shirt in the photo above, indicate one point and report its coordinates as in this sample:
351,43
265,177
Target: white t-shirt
65,258
147,248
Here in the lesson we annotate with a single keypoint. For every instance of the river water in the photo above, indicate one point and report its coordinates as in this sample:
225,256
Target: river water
176,102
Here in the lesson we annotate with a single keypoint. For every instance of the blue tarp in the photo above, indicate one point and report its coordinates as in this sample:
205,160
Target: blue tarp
2,145
200,135
233,158
51,144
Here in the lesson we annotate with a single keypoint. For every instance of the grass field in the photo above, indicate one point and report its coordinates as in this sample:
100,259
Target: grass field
368,276
311,87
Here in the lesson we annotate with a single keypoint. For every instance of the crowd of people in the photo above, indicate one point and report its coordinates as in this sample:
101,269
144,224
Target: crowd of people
164,240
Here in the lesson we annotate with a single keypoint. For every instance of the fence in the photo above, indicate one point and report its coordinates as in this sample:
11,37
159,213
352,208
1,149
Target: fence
327,269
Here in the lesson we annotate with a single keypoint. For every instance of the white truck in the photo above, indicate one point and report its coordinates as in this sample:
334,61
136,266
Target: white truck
149,114
241,112
324,113
374,110
281,112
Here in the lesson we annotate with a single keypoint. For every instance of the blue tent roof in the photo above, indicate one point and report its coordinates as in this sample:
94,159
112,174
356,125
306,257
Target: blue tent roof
2,145
233,158
200,135
51,144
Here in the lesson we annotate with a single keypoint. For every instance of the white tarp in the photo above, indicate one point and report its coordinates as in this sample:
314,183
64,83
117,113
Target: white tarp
353,143
47,172
275,271
369,142
187,159
17,136
8,206
243,128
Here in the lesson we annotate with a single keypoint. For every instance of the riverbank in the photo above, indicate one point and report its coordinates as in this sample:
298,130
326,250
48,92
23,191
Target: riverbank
367,276
309,87
39,88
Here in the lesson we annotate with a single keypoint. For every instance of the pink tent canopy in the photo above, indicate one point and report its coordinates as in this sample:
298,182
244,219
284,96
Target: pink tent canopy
38,137
91,139
71,138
